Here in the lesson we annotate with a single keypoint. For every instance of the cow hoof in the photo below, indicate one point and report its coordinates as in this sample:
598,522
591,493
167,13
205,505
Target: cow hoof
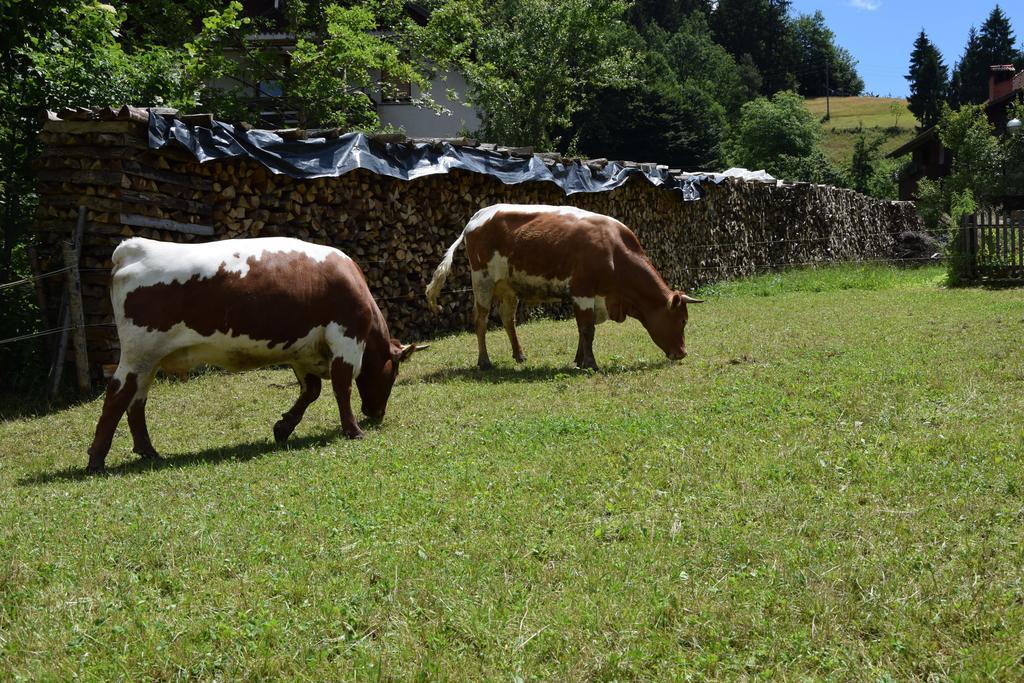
282,430
519,359
357,434
95,469
587,366
147,454
486,365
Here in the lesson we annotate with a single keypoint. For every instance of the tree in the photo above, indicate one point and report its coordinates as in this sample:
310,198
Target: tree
994,44
695,57
762,29
666,14
818,52
532,64
771,128
864,162
656,118
929,82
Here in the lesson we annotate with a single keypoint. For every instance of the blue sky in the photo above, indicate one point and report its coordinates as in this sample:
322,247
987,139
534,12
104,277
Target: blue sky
881,33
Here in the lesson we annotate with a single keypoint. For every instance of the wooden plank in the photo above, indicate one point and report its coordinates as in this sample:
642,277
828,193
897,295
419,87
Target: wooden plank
81,177
1019,226
191,182
89,152
165,201
93,127
165,224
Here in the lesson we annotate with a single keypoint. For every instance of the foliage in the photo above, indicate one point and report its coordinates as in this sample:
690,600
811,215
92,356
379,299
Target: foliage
811,168
655,118
771,128
929,82
865,161
977,155
524,62
762,29
333,75
696,58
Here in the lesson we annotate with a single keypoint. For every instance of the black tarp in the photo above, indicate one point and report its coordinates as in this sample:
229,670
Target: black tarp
331,157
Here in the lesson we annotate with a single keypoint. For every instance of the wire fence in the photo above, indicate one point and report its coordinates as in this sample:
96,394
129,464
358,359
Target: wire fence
702,268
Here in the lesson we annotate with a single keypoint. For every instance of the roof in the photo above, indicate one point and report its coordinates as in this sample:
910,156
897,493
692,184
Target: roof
921,139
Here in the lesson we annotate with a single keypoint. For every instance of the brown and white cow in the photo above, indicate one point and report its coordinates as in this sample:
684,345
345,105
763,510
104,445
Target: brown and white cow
242,304
543,253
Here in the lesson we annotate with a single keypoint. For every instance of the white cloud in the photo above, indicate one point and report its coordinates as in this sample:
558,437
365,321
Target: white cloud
868,5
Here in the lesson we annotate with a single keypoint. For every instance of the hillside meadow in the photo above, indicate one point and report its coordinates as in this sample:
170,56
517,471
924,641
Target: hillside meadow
851,115
829,487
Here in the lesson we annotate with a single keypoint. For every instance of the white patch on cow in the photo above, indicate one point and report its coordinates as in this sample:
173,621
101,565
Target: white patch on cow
140,262
584,303
181,348
349,349
499,275
593,303
483,288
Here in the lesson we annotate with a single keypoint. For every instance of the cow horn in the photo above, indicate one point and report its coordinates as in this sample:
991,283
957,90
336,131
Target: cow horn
687,299
421,347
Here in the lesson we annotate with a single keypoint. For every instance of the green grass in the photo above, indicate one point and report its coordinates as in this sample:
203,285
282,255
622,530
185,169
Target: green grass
850,115
829,487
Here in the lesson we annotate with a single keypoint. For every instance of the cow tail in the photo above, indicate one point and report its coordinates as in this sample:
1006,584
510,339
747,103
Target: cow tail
441,274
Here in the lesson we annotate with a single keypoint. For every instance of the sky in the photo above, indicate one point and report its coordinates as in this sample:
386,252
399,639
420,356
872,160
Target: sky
881,33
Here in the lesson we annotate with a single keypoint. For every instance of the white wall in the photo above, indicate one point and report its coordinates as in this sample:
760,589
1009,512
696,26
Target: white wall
424,123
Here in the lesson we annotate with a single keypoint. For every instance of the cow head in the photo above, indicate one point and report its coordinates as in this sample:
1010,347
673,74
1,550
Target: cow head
378,374
667,324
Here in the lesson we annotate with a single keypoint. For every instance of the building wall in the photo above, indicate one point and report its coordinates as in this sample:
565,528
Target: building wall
424,123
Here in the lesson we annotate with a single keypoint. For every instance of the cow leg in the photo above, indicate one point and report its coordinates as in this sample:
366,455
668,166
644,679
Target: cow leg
341,382
309,391
121,392
141,443
483,292
508,319
585,350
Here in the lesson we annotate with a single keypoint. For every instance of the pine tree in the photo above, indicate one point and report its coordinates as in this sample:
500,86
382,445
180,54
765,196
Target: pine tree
996,39
994,44
929,82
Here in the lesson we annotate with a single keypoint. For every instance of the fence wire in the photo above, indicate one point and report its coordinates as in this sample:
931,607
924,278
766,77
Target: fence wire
758,268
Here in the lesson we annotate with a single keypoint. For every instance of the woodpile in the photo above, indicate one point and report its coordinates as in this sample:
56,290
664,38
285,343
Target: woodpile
398,230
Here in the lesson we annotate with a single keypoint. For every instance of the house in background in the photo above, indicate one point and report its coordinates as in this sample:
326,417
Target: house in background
395,108
930,159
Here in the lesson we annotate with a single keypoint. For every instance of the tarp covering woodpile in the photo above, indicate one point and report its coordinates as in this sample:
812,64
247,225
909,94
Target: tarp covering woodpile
326,154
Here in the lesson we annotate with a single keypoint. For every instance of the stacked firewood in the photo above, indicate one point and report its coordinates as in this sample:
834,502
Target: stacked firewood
398,230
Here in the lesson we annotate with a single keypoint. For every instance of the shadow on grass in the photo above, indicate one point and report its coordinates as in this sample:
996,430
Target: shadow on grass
542,373
238,453
35,404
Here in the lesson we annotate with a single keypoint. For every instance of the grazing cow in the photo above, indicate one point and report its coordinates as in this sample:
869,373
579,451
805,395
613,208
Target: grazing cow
542,253
242,304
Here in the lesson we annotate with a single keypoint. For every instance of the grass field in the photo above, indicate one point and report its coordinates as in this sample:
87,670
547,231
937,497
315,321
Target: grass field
850,114
829,487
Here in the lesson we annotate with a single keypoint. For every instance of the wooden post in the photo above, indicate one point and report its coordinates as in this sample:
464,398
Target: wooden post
70,251
72,299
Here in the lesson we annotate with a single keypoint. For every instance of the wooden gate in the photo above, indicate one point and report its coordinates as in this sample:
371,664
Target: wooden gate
993,243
